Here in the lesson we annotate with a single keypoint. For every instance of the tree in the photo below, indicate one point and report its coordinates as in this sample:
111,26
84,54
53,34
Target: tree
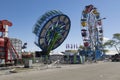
81,47
116,36
114,42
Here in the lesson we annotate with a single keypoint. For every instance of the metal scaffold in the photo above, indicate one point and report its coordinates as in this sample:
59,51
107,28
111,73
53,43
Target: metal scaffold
7,51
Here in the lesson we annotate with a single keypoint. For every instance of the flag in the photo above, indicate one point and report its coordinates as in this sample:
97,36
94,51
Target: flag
76,46
71,46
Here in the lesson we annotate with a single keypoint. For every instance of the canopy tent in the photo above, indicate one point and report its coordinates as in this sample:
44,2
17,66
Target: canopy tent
56,53
111,52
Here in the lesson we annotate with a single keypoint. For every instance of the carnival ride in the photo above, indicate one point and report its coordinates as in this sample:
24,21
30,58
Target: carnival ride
51,30
92,31
7,51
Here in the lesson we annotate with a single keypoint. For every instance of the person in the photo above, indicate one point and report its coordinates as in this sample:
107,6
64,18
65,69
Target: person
15,62
82,55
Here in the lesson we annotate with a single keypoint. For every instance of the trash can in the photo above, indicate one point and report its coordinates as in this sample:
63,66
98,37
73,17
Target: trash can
28,63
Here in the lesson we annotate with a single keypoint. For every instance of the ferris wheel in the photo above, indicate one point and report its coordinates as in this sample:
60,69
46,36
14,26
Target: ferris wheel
51,30
92,30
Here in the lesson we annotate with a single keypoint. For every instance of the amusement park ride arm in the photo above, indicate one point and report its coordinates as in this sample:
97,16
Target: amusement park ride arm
52,43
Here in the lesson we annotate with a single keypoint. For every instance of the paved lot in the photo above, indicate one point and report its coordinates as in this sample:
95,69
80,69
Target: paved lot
94,71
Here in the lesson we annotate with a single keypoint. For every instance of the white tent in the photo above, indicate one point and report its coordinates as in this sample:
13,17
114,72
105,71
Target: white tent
111,52
56,53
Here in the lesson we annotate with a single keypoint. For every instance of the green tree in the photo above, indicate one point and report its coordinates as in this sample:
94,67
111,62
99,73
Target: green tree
114,42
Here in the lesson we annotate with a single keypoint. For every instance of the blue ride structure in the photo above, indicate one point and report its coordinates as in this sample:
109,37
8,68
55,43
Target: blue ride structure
51,29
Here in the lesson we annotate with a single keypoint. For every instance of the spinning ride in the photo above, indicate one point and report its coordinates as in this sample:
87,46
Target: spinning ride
51,30
92,31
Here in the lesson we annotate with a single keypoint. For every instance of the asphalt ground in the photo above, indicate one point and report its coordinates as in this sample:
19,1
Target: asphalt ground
93,71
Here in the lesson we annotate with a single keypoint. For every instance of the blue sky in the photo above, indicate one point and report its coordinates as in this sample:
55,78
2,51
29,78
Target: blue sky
24,14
